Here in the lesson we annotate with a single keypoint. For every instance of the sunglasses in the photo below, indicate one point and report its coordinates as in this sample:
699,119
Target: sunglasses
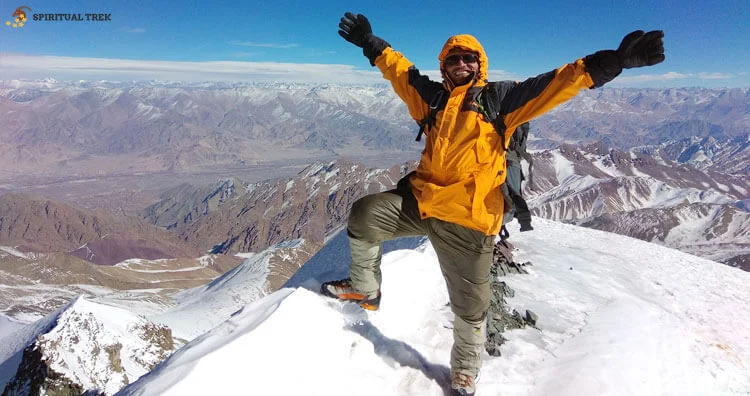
466,58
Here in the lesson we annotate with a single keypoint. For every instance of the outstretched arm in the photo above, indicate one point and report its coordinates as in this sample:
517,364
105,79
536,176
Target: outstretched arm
523,101
416,90
356,29
637,49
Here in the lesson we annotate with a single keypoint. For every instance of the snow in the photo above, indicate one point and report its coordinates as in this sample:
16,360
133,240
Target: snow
200,309
14,252
12,345
602,163
80,341
618,316
133,264
8,326
563,167
87,326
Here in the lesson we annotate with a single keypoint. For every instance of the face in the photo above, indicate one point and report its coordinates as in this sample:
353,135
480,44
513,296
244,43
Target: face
461,66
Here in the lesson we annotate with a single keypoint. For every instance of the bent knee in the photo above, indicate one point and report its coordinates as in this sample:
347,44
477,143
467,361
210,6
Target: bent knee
375,217
362,222
472,304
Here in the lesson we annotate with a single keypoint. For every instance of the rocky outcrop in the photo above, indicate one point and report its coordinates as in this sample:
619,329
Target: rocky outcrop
90,349
499,317
186,203
34,377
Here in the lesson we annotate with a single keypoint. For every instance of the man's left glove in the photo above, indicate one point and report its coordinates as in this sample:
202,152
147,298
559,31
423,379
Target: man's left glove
637,49
640,49
356,29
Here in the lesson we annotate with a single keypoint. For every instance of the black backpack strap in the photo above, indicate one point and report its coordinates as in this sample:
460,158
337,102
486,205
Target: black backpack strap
490,108
436,104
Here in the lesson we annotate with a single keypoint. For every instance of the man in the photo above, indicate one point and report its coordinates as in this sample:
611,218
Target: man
454,196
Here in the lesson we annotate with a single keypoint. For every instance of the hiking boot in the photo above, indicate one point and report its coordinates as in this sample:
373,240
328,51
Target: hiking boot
343,290
462,384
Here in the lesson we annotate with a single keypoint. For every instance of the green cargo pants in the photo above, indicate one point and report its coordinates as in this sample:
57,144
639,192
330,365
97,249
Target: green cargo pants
465,256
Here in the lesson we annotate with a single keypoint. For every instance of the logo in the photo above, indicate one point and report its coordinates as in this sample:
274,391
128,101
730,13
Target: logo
19,17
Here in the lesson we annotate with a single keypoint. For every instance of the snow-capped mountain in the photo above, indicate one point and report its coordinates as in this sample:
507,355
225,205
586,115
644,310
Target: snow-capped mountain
728,156
75,349
618,316
83,347
625,118
202,308
647,197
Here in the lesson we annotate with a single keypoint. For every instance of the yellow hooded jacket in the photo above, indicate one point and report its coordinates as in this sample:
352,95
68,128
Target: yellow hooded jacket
462,166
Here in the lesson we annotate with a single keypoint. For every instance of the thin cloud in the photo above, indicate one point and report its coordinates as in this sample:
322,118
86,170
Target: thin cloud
15,66
135,30
714,76
18,66
671,76
263,45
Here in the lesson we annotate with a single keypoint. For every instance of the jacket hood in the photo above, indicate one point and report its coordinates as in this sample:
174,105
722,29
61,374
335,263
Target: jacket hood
470,43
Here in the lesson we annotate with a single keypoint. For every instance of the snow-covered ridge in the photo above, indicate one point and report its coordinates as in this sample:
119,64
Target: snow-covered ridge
93,346
652,320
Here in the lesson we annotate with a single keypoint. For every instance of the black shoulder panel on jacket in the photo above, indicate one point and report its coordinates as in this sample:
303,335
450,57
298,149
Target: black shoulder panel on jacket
508,96
513,95
426,88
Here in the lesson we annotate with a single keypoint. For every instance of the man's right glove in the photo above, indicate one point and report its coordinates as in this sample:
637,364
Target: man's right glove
637,49
356,29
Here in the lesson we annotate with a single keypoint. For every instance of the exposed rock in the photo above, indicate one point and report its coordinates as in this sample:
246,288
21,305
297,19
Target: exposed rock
499,317
35,377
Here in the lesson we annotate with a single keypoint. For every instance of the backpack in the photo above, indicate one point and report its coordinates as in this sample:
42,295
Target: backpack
515,204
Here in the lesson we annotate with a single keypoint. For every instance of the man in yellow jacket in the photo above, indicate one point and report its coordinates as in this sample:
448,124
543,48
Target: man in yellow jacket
454,196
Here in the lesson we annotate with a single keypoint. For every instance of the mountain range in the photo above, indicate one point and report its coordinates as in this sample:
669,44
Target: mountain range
155,221
104,127
650,197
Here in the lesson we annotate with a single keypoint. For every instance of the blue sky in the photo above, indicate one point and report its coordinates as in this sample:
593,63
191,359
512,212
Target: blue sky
707,43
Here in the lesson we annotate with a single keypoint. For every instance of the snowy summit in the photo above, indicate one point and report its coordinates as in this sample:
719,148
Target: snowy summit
617,316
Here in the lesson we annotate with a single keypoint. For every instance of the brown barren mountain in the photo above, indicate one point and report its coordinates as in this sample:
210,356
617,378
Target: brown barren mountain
42,225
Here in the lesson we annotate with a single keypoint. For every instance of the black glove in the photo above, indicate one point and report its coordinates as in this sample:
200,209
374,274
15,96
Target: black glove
637,49
356,29
640,49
